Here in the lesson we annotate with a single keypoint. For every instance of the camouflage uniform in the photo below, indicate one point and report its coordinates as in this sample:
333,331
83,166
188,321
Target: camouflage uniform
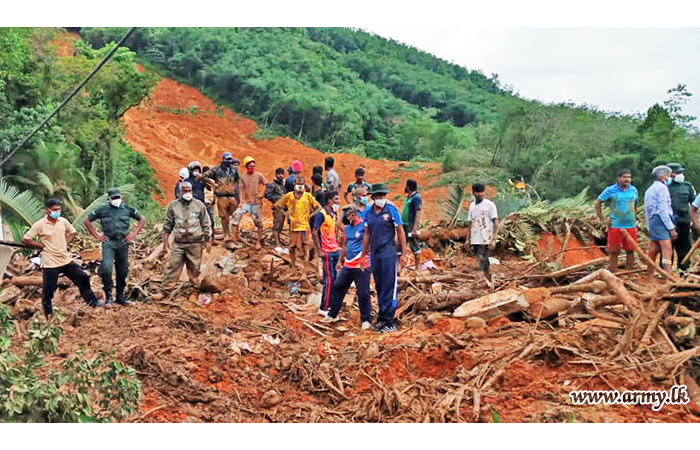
190,225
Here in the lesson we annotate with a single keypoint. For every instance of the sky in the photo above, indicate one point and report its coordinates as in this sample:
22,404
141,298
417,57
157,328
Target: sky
615,69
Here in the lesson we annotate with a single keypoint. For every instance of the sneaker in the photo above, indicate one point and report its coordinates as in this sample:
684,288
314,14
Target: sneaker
366,326
322,312
387,329
279,250
108,299
95,304
378,325
124,302
329,319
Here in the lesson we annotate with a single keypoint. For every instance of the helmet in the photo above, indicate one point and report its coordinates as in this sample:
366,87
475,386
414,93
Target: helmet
184,173
227,155
248,159
194,164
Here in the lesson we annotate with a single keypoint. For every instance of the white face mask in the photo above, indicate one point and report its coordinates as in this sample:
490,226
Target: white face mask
195,173
336,208
380,202
299,187
116,202
187,197
679,178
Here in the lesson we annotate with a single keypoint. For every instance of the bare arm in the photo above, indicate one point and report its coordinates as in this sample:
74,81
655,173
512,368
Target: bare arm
70,236
402,245
365,243
32,243
415,225
599,210
495,231
694,216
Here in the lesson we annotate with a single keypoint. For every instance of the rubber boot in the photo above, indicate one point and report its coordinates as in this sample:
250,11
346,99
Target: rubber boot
108,298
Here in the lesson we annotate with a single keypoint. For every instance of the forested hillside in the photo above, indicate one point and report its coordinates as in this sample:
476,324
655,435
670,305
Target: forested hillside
80,154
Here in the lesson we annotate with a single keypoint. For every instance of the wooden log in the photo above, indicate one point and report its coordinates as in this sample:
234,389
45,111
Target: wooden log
692,250
434,278
35,280
577,267
588,278
646,338
497,304
564,245
550,307
605,300
645,257
619,289
597,286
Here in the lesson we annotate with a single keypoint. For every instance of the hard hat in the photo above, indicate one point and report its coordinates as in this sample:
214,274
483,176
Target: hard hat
248,159
227,155
194,164
184,173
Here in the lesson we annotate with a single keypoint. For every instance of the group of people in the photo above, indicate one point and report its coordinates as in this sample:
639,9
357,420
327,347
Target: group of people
670,208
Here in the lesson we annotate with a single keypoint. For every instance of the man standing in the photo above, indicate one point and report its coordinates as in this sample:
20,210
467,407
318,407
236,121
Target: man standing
115,239
332,178
184,174
362,201
622,197
659,217
296,171
225,180
301,206
352,187
250,183
326,245
317,186
383,224
273,192
482,229
354,269
195,179
410,216
55,234
209,198
682,194
188,220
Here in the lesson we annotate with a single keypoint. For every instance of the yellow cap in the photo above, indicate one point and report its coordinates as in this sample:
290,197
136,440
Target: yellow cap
247,159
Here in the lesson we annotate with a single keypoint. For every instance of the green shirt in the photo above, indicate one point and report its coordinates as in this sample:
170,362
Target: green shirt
115,221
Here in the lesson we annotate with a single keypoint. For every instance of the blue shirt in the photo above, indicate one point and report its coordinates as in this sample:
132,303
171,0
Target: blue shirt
354,234
363,214
289,183
621,205
382,229
657,202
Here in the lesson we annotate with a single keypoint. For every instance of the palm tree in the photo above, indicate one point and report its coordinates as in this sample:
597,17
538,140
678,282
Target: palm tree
54,168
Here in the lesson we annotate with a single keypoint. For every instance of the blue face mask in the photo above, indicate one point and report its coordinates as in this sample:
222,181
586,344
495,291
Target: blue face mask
668,181
55,214
364,200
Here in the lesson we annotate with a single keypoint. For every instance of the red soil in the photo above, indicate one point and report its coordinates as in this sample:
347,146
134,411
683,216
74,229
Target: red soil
164,131
550,244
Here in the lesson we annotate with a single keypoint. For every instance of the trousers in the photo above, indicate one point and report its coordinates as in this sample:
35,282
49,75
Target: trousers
74,273
189,255
384,272
682,245
340,287
114,252
329,262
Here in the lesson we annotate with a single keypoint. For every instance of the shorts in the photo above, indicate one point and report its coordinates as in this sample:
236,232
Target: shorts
278,216
255,212
657,229
481,254
226,205
299,239
616,240
412,241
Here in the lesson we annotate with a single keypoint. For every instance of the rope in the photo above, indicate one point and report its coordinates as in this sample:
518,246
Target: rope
70,96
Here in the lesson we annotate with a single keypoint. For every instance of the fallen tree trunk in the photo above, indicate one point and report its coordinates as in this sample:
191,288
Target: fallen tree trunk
576,268
645,257
597,286
34,280
436,278
619,289
493,305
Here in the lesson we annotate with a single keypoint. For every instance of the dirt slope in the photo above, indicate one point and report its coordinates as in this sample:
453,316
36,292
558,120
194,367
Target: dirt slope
165,130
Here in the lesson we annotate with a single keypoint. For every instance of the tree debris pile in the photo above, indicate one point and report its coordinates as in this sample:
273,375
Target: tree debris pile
252,349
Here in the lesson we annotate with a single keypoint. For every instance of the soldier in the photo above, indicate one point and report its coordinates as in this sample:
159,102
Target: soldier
682,194
188,220
225,183
115,239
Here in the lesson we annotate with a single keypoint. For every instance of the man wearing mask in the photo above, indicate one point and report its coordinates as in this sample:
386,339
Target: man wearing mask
55,234
326,245
209,198
622,197
682,194
354,269
659,216
184,174
352,187
301,206
362,202
188,220
273,192
332,178
250,183
410,216
195,179
296,171
382,225
224,178
482,229
115,239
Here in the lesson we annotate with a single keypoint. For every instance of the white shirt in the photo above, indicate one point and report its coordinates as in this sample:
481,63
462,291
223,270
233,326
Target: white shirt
481,216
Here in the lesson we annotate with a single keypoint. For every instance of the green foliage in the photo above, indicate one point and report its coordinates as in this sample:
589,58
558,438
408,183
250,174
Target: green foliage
95,389
495,416
23,204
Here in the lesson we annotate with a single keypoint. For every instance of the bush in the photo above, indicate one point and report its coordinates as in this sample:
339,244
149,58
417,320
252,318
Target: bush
97,389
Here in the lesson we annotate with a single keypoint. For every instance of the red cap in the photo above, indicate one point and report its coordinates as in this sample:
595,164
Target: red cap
296,166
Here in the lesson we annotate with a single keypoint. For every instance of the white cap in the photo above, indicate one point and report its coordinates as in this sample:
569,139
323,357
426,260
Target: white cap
184,173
